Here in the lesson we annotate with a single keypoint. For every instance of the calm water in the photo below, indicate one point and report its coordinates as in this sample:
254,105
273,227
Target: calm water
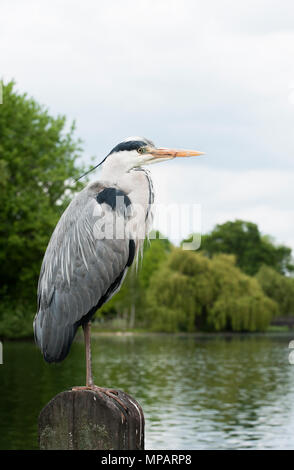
197,393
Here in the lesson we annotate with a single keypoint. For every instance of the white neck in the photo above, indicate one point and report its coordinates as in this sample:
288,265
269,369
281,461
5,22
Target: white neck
116,166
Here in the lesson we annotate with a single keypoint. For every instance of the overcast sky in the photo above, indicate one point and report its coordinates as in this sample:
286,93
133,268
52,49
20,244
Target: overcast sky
217,76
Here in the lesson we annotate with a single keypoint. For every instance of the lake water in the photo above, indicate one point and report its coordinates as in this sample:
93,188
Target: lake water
206,392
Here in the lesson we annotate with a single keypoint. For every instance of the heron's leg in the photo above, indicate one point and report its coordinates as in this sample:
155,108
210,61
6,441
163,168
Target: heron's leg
87,337
89,377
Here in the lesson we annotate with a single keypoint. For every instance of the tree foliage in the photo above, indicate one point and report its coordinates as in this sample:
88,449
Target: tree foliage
252,250
191,292
279,288
38,165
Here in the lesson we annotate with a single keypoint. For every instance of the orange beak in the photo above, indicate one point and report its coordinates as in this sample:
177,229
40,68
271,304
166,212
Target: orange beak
173,153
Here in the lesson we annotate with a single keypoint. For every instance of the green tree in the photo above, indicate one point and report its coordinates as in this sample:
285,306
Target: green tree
191,292
156,250
240,303
252,250
38,165
279,288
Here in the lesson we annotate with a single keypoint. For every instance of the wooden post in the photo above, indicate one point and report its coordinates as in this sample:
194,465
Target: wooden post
86,419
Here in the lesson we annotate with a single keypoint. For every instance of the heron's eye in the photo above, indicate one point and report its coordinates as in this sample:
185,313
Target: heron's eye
140,150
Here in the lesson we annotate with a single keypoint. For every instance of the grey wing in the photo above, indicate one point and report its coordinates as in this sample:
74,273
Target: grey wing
81,270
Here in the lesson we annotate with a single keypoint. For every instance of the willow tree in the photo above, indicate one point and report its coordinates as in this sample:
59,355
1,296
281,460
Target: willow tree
38,165
279,288
191,292
240,303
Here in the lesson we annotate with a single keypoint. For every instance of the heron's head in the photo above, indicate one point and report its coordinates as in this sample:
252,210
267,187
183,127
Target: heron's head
138,151
134,152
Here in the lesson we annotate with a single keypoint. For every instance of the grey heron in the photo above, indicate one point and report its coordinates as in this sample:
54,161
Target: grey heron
82,267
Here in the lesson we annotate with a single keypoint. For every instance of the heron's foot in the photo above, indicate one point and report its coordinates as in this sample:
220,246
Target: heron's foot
106,391
111,393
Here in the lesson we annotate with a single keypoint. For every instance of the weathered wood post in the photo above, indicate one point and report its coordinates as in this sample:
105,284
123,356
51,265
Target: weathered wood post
87,419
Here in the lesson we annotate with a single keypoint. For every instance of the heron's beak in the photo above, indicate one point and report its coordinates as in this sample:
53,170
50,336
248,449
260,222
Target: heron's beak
172,153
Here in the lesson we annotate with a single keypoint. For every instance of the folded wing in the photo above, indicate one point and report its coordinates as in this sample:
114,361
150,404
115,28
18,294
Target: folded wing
82,268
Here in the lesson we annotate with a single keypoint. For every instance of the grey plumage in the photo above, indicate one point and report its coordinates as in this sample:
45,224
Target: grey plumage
77,271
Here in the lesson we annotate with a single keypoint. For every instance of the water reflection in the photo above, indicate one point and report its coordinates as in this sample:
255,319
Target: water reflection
197,392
